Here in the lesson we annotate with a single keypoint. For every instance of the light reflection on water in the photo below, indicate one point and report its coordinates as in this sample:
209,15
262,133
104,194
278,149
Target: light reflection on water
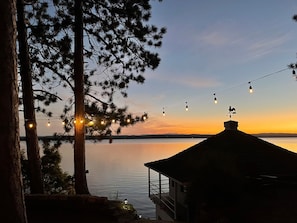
117,170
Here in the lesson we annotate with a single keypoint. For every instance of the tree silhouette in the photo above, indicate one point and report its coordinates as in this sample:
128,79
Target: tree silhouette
11,192
119,47
36,182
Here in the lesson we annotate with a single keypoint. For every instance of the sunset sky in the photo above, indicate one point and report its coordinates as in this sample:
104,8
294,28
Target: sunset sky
217,47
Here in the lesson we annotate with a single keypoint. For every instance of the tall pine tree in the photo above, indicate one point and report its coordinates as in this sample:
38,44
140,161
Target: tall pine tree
11,193
119,42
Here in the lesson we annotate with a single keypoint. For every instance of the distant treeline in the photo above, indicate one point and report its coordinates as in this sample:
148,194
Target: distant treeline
155,136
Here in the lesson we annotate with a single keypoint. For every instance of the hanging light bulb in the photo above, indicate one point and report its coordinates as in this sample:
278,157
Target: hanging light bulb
30,125
250,88
48,123
163,112
215,98
294,74
187,107
144,117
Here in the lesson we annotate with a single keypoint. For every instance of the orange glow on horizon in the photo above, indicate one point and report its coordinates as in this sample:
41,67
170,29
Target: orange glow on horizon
251,125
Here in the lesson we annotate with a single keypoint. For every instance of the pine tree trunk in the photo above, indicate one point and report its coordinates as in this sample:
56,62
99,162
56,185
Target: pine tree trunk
36,182
12,206
79,135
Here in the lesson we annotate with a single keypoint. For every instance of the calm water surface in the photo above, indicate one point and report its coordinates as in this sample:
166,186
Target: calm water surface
117,170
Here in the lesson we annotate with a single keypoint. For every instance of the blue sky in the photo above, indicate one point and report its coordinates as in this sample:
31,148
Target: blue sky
218,47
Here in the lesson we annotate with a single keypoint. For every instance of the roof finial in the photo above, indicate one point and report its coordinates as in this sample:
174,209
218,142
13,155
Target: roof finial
232,111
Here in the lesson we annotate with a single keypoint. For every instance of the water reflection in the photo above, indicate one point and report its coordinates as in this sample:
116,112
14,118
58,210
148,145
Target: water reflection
117,170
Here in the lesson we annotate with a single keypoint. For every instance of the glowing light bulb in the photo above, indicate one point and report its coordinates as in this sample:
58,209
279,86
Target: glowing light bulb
187,107
163,112
250,88
144,117
48,124
215,98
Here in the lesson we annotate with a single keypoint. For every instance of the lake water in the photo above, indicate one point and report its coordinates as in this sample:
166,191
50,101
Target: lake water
117,170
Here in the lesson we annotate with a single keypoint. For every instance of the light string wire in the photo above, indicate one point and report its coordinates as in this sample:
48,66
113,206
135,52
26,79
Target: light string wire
186,102
252,81
249,83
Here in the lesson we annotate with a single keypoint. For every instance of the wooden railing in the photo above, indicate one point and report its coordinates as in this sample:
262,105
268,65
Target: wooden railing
159,194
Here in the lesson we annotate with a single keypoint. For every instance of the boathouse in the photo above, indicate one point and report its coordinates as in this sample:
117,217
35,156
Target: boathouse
228,177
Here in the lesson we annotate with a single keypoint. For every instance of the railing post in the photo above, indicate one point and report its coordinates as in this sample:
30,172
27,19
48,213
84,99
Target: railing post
175,202
160,189
149,182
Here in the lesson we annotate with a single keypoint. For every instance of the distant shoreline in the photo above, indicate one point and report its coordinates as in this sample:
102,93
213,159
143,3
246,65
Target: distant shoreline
159,136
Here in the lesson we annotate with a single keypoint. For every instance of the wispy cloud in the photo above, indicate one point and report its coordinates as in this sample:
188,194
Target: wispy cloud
188,79
232,34
202,82
265,46
218,35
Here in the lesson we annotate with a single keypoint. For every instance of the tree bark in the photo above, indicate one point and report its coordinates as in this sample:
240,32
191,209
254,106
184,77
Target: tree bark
36,181
12,204
79,135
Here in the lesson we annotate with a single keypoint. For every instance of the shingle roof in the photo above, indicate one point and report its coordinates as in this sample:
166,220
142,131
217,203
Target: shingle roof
231,151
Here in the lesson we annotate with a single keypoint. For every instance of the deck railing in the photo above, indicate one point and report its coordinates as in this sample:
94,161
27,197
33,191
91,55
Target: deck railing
159,194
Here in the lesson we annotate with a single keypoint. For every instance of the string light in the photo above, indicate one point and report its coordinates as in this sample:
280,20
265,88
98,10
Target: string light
91,123
215,98
29,124
293,66
250,88
187,107
294,74
144,117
